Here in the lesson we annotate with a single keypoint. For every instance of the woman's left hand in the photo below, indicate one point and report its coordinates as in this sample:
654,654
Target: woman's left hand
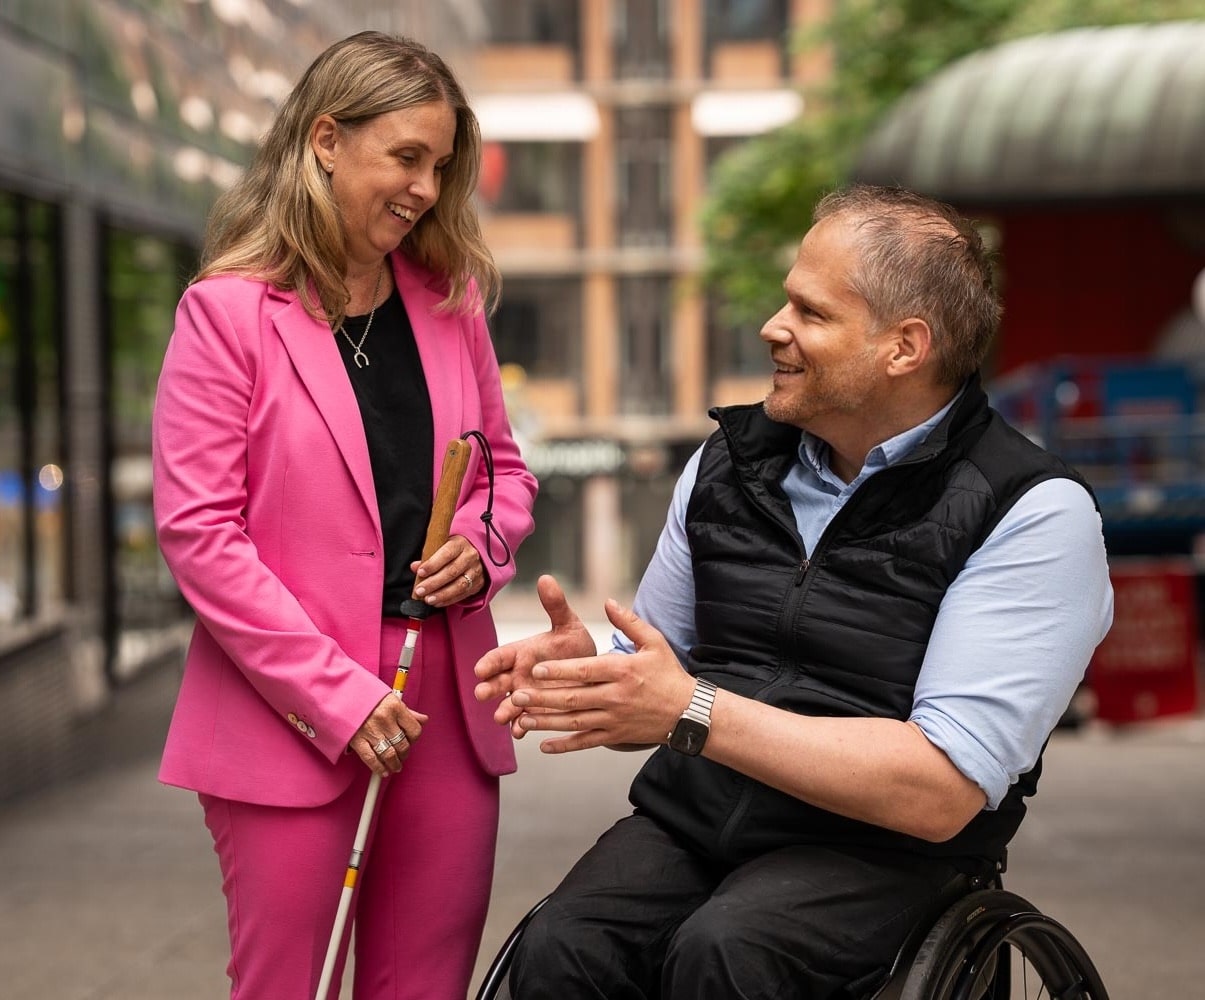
453,573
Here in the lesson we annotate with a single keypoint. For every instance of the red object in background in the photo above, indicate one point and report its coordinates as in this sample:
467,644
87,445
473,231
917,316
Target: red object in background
1100,278
1146,667
493,171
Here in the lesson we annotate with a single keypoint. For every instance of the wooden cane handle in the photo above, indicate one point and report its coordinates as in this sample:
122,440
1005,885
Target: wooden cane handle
456,463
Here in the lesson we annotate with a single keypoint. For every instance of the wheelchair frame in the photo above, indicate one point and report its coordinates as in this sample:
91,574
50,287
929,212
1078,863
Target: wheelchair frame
966,954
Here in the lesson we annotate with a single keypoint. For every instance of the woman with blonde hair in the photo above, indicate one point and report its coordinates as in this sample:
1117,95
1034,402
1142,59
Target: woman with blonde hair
332,343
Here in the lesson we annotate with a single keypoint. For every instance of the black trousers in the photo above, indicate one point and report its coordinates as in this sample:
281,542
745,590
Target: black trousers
639,917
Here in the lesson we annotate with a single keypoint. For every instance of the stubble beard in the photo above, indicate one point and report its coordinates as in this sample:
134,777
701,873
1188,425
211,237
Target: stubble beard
841,390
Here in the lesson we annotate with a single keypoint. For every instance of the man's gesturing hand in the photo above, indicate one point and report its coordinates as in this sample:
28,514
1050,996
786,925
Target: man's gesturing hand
509,667
619,700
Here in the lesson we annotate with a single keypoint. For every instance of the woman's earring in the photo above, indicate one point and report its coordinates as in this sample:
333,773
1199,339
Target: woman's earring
330,165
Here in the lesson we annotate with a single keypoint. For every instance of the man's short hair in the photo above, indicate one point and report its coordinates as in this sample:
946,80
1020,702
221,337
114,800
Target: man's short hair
919,258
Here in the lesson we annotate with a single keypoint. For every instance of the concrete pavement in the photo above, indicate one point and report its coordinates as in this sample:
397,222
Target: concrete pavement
109,888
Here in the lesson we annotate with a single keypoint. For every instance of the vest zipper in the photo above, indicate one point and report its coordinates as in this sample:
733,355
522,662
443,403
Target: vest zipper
737,815
803,568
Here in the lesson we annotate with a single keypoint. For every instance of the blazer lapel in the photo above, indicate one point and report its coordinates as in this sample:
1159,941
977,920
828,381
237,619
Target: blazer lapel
439,349
315,357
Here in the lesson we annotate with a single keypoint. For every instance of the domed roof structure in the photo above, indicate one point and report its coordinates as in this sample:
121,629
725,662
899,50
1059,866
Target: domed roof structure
1081,114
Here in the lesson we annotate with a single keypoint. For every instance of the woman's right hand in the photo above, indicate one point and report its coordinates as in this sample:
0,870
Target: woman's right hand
390,718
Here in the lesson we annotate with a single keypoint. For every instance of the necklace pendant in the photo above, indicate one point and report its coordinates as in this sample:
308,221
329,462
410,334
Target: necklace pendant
361,359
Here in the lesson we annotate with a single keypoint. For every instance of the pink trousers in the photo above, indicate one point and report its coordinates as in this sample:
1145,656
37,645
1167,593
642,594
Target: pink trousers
424,884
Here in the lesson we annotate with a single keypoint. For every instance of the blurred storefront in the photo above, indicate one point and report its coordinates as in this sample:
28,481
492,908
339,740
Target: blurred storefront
120,122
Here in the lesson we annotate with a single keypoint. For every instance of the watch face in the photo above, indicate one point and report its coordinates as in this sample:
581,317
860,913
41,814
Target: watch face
688,736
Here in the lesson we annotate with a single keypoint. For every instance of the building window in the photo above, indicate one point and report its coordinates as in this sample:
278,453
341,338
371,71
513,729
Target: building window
644,501
32,459
644,202
537,326
533,176
737,23
644,309
746,20
144,276
539,22
556,544
641,37
734,349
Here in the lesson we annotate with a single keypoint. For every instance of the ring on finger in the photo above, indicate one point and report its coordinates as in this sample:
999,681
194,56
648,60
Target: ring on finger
397,738
468,580
381,746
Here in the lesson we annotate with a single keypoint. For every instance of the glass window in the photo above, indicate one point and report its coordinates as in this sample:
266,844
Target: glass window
14,536
32,518
38,111
734,348
641,39
746,20
539,22
537,325
536,176
556,544
644,202
644,304
144,276
46,296
644,501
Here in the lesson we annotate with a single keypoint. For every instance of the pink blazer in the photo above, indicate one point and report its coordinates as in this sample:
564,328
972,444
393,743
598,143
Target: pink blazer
267,518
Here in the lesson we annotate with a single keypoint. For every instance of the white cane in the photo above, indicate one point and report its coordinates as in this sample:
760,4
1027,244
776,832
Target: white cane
456,459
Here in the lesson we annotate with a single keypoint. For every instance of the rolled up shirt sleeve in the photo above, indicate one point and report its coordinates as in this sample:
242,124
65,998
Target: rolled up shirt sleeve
1014,635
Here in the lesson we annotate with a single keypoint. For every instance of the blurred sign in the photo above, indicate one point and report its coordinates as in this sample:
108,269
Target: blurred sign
575,459
1146,668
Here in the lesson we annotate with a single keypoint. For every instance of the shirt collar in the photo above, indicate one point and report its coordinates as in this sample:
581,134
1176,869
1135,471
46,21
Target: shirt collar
814,452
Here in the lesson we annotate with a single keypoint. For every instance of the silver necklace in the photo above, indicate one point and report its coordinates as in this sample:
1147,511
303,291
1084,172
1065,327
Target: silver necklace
359,357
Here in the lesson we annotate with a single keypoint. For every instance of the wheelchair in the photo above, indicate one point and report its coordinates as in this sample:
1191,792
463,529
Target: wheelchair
987,944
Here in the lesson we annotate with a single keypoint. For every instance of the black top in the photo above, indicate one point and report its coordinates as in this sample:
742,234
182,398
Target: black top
396,409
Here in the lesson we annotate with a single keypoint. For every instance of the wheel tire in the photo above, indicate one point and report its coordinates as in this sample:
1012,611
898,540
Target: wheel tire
982,929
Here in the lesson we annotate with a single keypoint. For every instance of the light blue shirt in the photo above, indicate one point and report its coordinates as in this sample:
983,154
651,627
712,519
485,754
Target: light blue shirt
1015,630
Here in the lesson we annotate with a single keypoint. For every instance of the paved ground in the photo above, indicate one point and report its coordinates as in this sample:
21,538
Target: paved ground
109,887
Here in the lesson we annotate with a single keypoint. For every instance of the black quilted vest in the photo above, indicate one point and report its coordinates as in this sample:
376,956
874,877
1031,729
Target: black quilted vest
840,631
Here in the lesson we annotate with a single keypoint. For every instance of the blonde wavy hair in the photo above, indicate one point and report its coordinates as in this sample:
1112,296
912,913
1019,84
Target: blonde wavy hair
280,223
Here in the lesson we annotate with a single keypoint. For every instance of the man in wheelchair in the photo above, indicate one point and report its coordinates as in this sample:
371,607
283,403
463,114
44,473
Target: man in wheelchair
871,603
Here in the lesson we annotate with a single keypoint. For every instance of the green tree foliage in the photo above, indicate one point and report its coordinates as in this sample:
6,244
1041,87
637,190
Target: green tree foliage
762,192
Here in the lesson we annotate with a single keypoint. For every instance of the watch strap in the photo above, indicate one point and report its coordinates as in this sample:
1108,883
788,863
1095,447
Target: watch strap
701,701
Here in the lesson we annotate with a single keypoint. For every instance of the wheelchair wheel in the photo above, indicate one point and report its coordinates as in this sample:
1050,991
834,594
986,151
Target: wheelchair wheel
494,985
994,945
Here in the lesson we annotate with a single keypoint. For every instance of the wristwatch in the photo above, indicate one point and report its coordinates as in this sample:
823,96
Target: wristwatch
690,732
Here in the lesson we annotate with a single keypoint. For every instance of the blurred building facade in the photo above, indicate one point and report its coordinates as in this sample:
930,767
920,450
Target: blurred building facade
120,122
601,119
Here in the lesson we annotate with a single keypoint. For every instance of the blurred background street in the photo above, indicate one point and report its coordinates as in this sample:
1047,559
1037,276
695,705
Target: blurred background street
647,168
